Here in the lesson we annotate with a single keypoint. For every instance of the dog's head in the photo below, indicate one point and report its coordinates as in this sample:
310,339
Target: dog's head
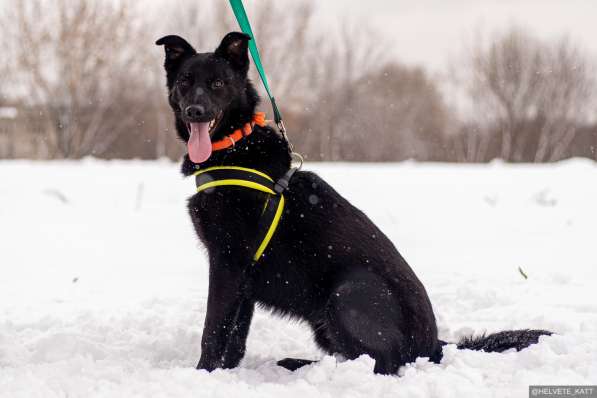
205,88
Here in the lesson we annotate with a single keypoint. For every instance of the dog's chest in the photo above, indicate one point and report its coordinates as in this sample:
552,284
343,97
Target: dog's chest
225,219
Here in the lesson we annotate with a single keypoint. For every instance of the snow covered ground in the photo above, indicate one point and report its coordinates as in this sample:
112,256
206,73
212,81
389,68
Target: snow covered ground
103,282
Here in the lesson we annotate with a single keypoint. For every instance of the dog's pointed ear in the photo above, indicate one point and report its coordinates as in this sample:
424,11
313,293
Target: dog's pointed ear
234,48
177,51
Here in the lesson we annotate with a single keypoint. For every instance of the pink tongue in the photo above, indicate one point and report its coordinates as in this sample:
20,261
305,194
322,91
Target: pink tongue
199,144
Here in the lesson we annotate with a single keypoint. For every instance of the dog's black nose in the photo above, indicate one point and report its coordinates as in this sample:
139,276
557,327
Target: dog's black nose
194,112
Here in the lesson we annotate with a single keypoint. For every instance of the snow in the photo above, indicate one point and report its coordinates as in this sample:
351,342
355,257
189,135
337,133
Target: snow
103,282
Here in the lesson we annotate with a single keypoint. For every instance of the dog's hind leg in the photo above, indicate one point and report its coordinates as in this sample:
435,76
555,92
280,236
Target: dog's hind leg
363,318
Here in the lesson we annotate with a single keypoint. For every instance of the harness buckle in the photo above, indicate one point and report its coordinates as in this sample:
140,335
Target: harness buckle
282,184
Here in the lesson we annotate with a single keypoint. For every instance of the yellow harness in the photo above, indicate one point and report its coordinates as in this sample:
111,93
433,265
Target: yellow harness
218,176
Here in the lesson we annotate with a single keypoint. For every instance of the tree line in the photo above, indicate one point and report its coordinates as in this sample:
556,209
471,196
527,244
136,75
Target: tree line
84,78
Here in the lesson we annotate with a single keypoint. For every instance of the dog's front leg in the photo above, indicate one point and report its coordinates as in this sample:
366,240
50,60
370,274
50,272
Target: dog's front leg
227,294
237,339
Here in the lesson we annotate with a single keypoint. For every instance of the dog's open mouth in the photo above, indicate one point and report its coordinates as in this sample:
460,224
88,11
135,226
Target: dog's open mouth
199,144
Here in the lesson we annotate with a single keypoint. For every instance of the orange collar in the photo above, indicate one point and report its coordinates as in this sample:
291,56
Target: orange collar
237,135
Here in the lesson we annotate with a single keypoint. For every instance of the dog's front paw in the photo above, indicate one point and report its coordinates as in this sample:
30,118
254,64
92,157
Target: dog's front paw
208,364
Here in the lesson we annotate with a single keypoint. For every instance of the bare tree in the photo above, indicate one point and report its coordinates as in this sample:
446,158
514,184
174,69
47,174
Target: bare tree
88,80
394,113
73,63
534,94
567,97
339,65
84,67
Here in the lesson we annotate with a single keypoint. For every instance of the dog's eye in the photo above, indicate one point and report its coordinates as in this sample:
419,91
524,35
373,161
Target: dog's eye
184,80
217,84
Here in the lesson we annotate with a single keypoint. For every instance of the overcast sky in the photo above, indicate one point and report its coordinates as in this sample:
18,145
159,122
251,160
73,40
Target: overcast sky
429,31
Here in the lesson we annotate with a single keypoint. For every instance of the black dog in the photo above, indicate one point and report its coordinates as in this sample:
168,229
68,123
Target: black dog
327,263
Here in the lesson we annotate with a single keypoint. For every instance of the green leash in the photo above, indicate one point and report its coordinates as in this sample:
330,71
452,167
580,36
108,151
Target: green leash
245,26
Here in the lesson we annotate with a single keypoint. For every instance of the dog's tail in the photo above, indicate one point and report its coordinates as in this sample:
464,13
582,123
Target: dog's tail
497,342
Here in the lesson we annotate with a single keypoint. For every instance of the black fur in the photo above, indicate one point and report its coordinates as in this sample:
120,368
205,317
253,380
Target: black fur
502,341
327,263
